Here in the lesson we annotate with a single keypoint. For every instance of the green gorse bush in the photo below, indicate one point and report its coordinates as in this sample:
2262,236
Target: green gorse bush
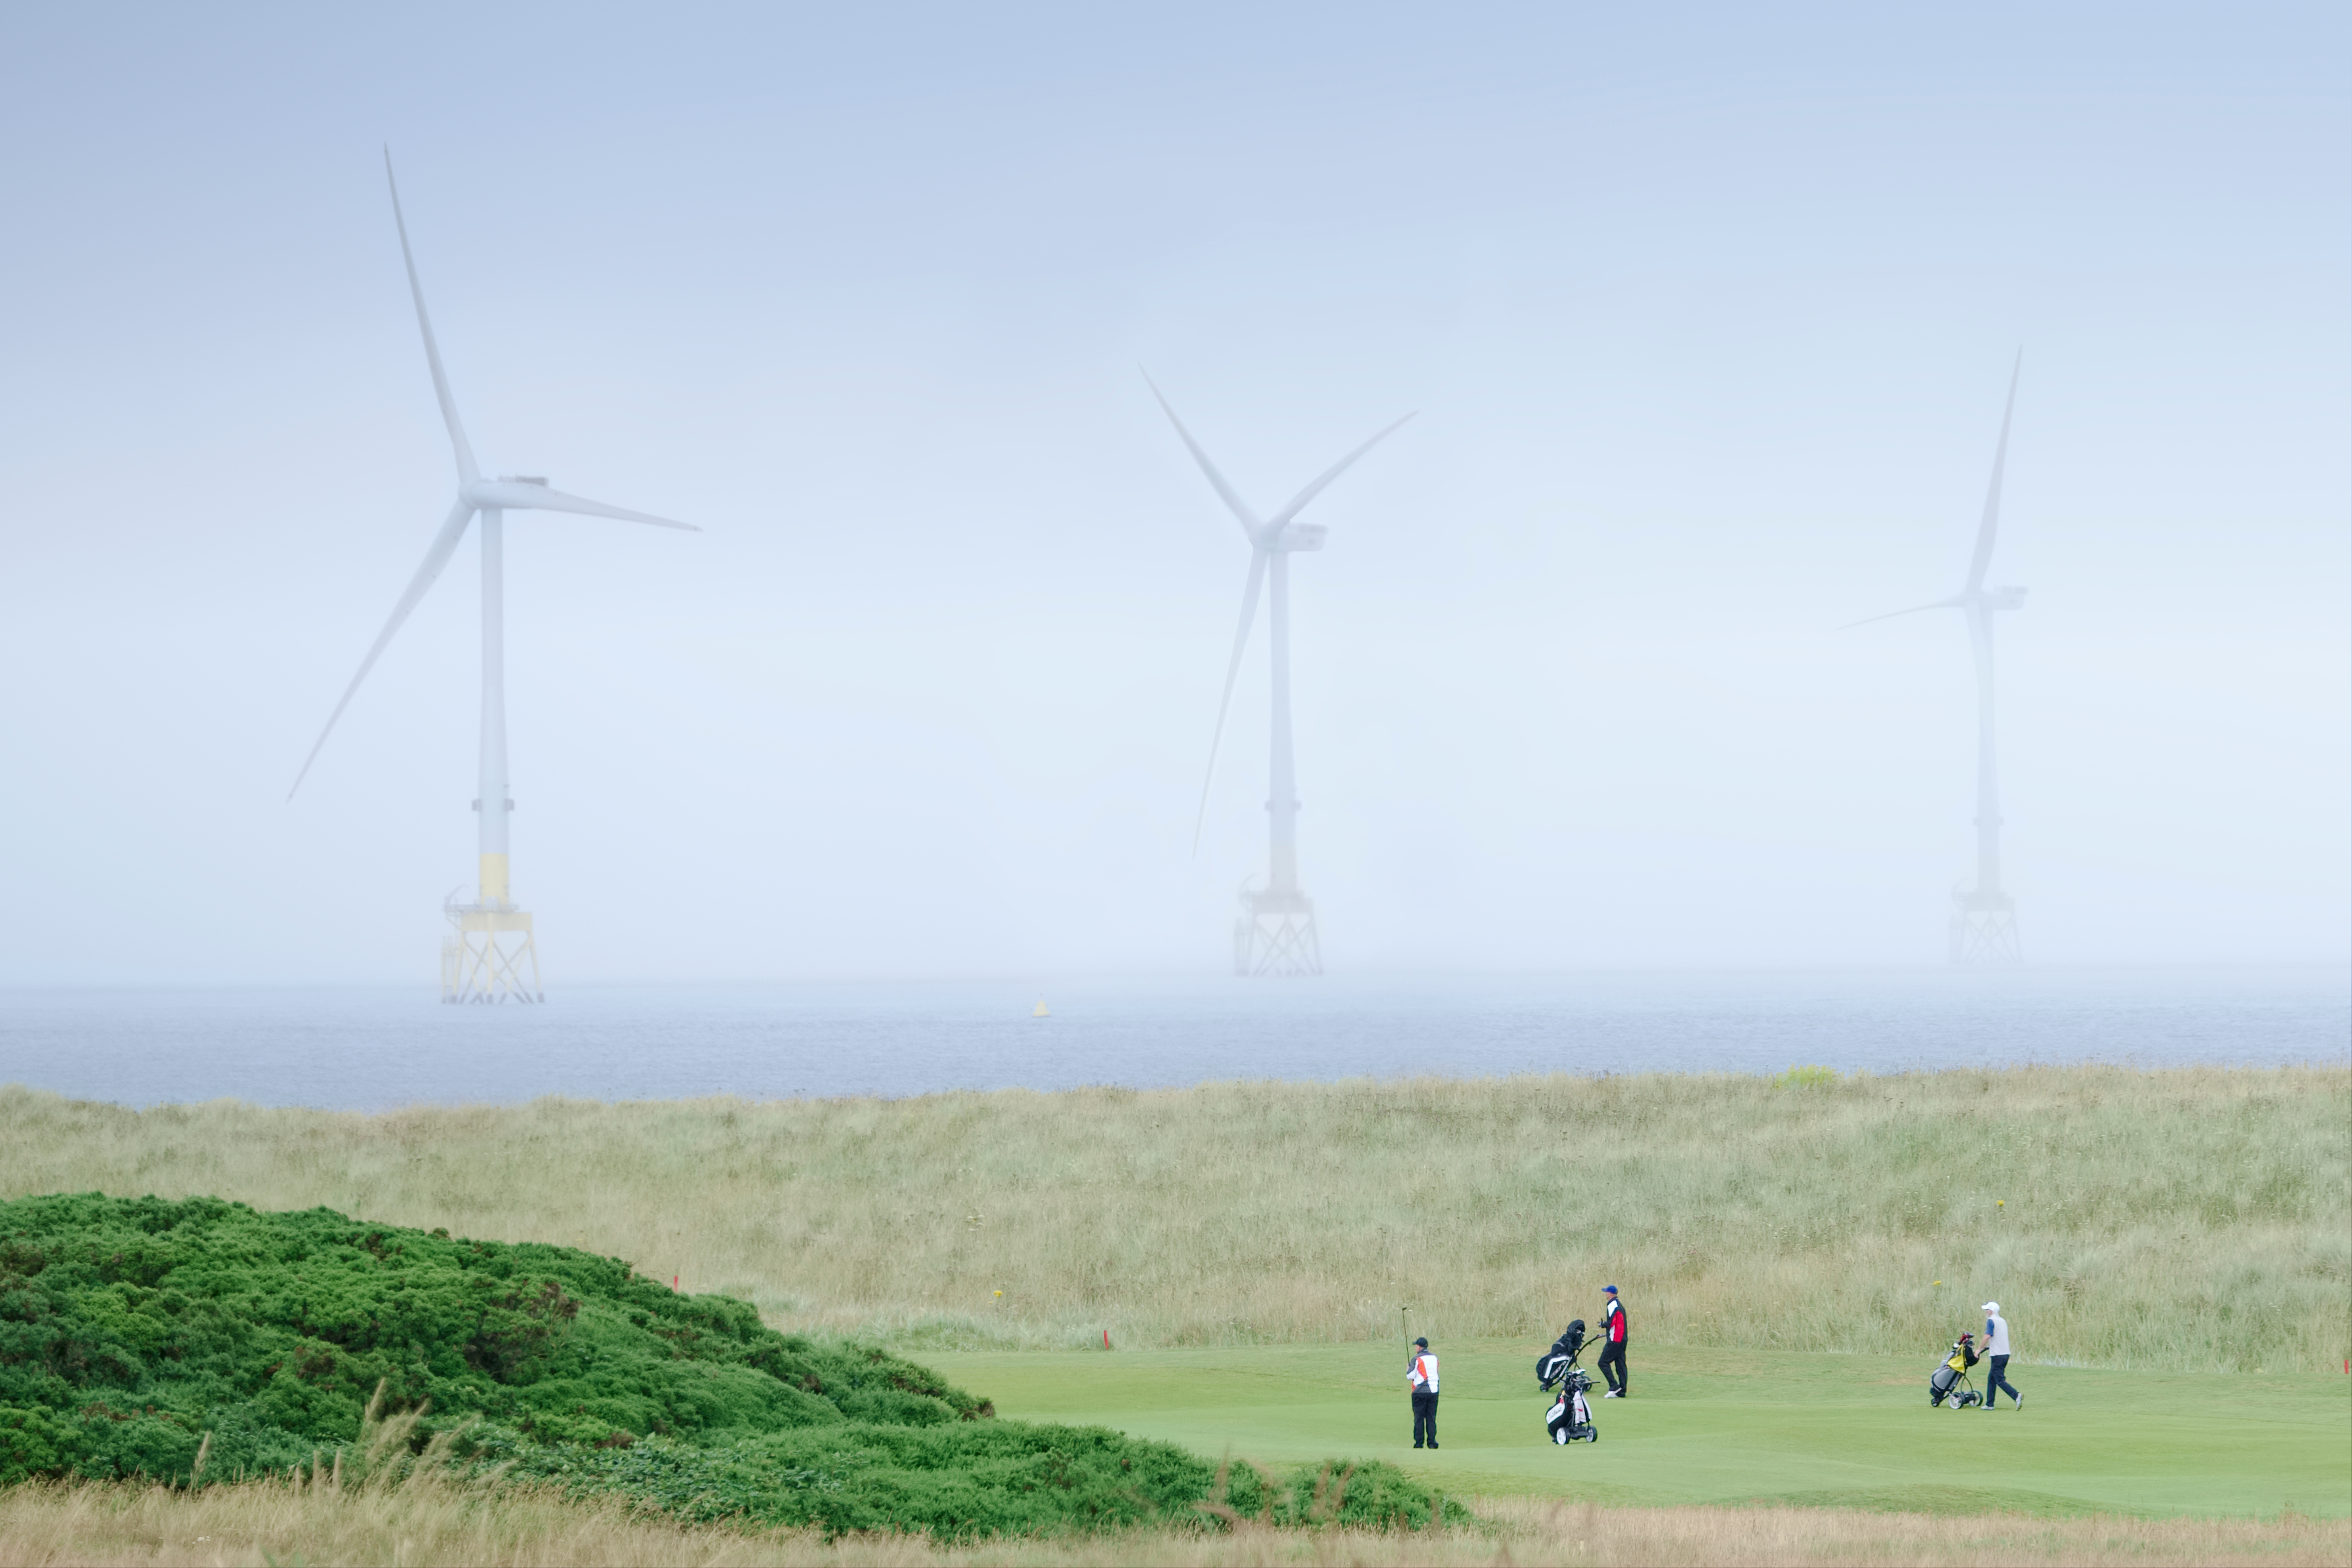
200,1338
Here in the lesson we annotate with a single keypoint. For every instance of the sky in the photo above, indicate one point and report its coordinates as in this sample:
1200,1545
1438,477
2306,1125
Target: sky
1707,315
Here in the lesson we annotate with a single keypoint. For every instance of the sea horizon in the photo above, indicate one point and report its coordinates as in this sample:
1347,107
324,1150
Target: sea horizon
377,1048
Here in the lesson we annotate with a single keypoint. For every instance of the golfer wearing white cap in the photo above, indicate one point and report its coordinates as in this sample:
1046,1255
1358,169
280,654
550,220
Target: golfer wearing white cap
1997,1349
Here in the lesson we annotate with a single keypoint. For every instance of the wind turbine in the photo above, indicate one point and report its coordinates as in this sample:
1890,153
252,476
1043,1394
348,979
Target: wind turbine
484,957
1274,933
1984,919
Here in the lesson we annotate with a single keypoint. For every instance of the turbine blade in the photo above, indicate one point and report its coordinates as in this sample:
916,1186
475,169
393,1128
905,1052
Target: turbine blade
1233,671
444,544
1248,520
539,498
1987,527
1951,604
1311,491
467,470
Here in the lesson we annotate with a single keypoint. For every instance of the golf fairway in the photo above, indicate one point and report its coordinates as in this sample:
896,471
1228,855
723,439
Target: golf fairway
1727,1426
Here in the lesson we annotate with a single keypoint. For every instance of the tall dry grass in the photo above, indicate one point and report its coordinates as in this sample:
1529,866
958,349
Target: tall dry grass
2122,1217
48,1525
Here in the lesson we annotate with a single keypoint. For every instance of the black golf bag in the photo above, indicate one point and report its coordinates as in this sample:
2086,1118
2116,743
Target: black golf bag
1570,1419
1563,1354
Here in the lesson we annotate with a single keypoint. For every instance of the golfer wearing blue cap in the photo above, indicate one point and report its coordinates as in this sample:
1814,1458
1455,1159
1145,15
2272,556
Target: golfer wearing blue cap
1613,1343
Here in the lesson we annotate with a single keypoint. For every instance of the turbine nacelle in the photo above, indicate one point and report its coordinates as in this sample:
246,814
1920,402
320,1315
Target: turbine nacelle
506,490
1985,599
528,492
1973,594
1281,534
1984,920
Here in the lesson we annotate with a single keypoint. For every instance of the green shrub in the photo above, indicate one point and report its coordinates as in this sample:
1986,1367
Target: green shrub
132,1328
978,1478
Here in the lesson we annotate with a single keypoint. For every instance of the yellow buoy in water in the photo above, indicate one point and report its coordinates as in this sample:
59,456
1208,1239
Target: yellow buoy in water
1039,1010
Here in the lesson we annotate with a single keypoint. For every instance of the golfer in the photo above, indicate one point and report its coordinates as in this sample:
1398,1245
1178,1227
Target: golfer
1997,1350
1423,1380
1613,1345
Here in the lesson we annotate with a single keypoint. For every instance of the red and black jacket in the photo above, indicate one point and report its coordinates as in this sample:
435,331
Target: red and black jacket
1613,1323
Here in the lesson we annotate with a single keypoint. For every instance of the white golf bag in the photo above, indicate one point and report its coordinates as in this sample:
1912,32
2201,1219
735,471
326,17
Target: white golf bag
1570,1419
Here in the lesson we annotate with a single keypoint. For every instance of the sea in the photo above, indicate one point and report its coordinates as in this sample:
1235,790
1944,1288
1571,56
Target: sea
375,1048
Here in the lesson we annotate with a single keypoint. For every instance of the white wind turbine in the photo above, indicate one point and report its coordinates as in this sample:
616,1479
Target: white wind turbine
1275,931
483,960
1984,919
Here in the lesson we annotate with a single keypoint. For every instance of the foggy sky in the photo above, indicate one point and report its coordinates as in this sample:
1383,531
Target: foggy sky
1708,319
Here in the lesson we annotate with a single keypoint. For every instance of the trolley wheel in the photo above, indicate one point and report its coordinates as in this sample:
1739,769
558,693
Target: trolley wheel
1594,1437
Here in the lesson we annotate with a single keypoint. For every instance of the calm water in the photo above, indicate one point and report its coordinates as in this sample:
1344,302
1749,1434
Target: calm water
368,1049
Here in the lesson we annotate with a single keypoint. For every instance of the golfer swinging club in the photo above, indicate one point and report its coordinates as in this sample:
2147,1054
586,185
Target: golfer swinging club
1423,1380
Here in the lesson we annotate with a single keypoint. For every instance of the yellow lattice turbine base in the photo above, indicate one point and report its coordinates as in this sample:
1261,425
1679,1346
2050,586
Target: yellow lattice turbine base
490,956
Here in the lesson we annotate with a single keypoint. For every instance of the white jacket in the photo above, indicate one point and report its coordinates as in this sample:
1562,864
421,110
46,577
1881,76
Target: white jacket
1423,1374
1995,1335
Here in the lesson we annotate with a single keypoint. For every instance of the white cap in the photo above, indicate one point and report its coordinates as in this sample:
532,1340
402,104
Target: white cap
1992,1306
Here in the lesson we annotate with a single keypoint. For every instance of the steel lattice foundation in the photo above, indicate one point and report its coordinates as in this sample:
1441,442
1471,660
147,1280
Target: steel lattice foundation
1984,929
1275,935
490,956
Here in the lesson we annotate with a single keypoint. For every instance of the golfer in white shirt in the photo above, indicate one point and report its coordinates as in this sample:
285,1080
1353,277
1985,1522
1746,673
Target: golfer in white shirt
1996,1344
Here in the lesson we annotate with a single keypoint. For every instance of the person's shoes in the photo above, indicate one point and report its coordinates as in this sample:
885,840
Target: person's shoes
1611,1394
2017,1401
1432,1445
1416,1445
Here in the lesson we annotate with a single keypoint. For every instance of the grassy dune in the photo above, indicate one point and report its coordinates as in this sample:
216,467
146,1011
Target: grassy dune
2124,1218
48,1526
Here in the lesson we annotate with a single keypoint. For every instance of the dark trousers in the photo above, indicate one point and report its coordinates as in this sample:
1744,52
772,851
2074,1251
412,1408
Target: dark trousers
1613,1367
1425,1417
1997,1380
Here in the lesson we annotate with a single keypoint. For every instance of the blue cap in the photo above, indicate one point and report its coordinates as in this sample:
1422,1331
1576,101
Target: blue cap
1609,1289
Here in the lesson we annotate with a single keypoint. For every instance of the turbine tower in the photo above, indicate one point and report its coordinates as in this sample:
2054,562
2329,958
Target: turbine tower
1275,932
1984,918
489,949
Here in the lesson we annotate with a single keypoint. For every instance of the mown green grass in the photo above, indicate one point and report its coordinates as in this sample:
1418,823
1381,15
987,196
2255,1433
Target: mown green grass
1732,1426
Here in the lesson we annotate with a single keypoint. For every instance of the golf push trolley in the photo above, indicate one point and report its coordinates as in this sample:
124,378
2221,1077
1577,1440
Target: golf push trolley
1950,1380
1570,1419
